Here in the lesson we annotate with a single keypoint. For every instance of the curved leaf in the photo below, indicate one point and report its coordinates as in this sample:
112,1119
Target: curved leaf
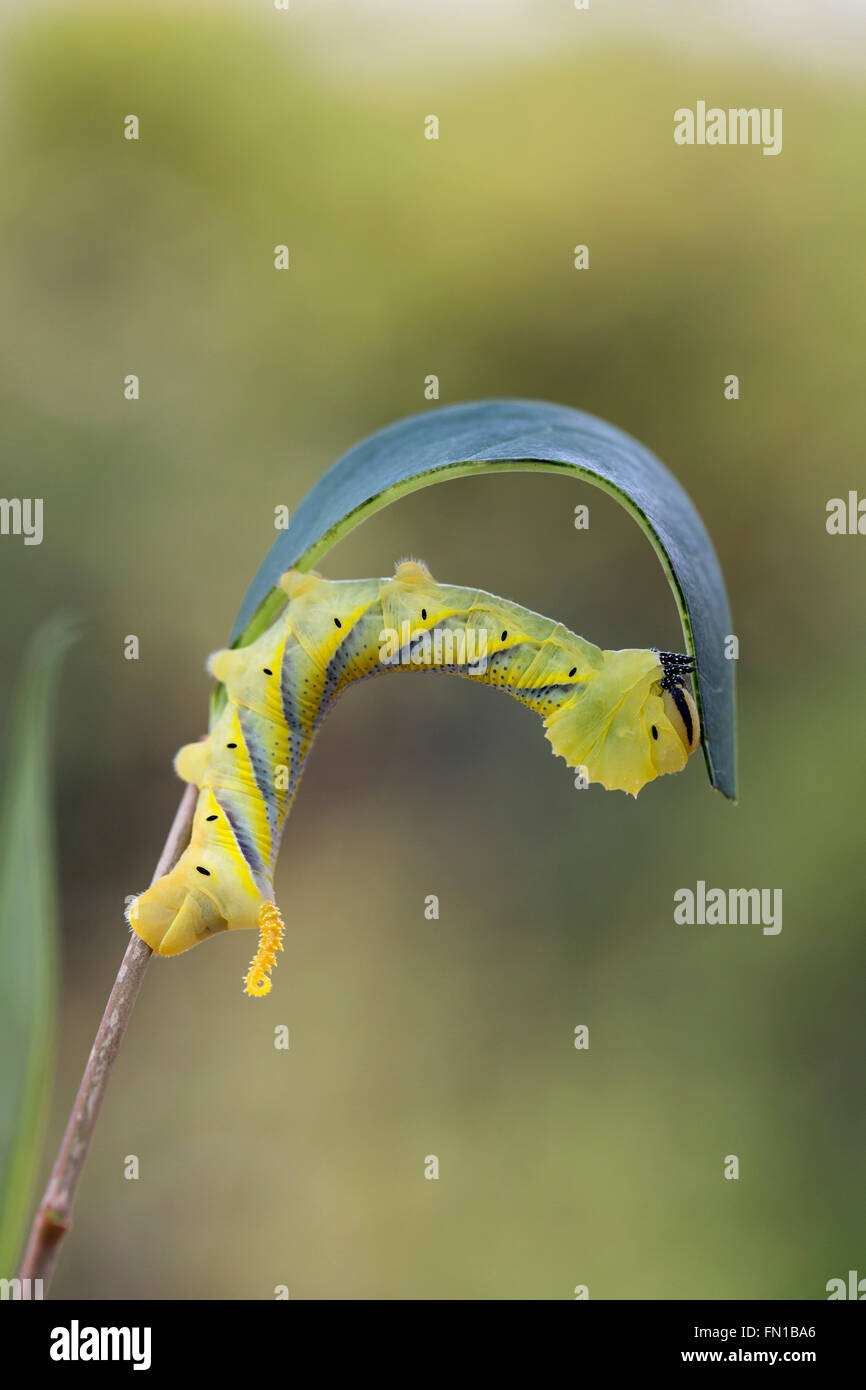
28,936
511,434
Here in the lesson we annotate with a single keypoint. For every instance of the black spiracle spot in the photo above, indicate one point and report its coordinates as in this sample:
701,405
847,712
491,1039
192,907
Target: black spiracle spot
655,732
337,623
504,635
423,615
573,671
213,817
231,745
200,870
267,671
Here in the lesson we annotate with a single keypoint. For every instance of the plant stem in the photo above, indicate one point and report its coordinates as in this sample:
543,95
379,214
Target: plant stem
53,1217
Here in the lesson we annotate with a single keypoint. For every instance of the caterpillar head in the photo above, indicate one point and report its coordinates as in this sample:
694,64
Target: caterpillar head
630,721
683,726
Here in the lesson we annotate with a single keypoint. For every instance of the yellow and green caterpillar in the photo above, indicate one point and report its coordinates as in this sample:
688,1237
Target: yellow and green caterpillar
624,717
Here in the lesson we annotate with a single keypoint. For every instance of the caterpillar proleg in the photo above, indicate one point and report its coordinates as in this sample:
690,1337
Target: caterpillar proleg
625,717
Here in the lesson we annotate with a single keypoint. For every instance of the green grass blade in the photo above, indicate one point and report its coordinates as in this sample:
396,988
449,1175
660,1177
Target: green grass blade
28,933
489,436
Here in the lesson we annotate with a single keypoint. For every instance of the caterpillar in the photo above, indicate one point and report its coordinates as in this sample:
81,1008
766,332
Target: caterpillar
624,717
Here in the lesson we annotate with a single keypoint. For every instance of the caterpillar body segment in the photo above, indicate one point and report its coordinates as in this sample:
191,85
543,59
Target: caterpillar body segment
623,717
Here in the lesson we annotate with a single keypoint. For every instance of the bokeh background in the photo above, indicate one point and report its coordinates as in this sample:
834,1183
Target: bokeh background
410,257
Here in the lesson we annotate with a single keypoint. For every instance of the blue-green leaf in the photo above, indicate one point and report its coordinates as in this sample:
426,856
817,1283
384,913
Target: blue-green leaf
28,933
496,435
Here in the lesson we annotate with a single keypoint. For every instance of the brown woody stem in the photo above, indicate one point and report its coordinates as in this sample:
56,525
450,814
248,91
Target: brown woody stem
53,1217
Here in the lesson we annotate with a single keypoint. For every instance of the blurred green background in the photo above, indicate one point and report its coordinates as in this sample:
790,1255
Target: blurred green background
409,257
